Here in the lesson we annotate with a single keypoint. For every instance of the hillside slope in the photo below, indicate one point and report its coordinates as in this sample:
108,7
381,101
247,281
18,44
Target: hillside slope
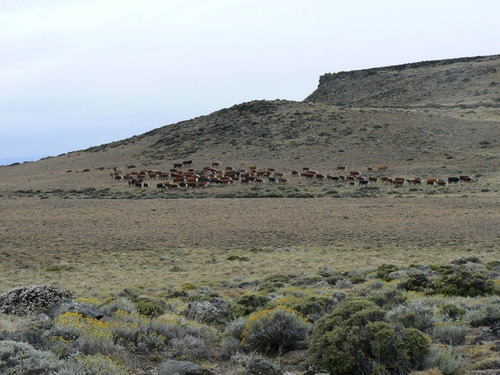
420,119
455,83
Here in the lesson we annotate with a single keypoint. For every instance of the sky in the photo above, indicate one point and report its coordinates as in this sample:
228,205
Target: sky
81,73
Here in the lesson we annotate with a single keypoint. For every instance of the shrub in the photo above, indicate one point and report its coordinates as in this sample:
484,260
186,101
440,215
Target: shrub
236,327
388,298
466,259
463,283
21,358
93,365
418,282
357,338
451,334
229,347
487,315
121,303
150,306
413,315
25,300
84,334
275,331
248,303
452,311
447,359
383,271
190,347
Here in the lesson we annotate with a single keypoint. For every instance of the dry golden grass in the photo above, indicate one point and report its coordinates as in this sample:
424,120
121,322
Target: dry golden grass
101,245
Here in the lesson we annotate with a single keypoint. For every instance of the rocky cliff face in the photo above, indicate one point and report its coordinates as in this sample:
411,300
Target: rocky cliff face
463,82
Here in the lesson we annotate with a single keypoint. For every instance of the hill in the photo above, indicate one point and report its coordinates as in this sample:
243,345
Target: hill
428,118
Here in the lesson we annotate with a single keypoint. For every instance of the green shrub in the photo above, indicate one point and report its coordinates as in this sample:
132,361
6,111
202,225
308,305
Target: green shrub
357,338
273,282
275,331
248,303
387,298
150,306
383,272
418,282
462,282
25,300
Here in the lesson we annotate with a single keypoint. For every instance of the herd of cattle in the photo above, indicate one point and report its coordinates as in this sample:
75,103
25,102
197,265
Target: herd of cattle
183,176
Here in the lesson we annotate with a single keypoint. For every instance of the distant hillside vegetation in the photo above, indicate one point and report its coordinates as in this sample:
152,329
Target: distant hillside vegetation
463,82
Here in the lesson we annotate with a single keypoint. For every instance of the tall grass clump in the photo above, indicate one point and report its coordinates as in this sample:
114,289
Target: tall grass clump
275,331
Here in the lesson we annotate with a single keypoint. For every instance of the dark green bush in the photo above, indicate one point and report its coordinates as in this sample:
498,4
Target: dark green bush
247,304
150,306
384,271
356,338
418,282
464,283
452,311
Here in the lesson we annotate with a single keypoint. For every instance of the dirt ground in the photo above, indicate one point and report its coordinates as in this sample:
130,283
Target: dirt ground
105,245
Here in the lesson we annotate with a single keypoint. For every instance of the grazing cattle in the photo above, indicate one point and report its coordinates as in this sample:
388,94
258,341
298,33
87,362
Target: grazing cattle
431,181
295,173
278,174
187,163
465,178
341,167
354,173
282,181
161,186
252,167
363,182
382,168
259,180
305,168
453,180
138,185
442,183
272,180
372,179
229,168
398,181
319,176
416,181
177,165
216,164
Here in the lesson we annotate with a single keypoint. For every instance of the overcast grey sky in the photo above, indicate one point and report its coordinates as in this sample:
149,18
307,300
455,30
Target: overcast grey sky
80,73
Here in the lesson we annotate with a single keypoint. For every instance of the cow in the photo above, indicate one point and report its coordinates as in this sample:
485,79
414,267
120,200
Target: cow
453,180
431,181
382,168
187,163
295,174
465,178
282,181
341,167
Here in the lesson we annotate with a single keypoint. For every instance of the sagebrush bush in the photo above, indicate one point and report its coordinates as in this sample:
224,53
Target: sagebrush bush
413,315
120,303
235,328
449,333
447,359
248,303
93,365
32,299
486,314
357,338
21,358
275,331
190,348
